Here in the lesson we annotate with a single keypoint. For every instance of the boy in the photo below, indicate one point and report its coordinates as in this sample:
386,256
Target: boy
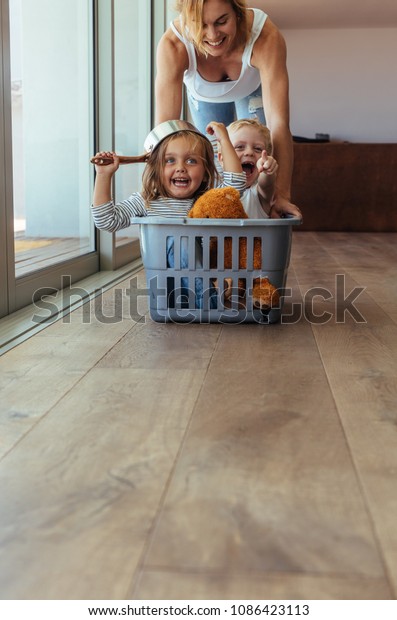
252,143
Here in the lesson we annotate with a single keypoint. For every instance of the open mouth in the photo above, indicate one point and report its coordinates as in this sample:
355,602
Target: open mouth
248,167
215,44
179,182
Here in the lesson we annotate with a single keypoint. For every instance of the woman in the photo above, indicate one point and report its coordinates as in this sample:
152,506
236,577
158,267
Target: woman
231,58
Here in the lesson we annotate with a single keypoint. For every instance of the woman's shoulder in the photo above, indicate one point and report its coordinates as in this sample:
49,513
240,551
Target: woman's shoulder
269,39
174,35
172,46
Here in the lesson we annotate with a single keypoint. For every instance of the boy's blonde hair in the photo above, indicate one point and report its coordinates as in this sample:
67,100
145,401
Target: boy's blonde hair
153,176
254,123
191,18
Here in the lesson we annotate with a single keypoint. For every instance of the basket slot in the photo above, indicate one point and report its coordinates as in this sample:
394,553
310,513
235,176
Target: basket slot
212,254
209,293
206,252
170,251
191,291
258,263
191,253
183,253
250,253
220,261
235,254
249,291
182,293
198,292
170,292
208,299
196,254
234,293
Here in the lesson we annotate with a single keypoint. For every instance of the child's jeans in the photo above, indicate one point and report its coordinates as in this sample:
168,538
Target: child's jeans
182,292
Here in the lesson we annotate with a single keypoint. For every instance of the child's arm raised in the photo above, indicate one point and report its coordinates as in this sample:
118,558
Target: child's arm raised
103,179
231,162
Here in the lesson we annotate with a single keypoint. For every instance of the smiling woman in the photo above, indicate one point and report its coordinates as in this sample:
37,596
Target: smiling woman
232,60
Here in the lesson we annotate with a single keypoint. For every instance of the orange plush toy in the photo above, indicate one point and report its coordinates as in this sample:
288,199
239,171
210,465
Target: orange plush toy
225,203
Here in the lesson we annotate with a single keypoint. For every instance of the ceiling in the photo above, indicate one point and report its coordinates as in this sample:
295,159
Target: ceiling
330,13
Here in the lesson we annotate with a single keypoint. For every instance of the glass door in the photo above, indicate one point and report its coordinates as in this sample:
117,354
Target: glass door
47,137
51,90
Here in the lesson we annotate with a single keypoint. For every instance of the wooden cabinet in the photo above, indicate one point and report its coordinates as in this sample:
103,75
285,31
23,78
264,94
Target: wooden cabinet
346,186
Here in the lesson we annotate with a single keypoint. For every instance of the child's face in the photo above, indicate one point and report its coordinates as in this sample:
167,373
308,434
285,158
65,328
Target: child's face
183,168
248,144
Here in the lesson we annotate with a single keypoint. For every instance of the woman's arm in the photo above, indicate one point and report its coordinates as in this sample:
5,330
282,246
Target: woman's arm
269,57
171,62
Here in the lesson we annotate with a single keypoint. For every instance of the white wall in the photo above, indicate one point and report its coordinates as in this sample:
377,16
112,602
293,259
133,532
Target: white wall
343,82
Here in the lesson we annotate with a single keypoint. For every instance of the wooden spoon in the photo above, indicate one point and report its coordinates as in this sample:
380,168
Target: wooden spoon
124,159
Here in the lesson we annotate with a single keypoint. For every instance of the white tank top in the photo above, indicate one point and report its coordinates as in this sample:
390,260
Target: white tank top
232,90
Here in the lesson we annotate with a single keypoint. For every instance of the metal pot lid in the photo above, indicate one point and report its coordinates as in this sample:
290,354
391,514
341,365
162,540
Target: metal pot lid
167,129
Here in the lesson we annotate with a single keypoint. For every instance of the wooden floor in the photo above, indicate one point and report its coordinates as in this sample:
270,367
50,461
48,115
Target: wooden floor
148,461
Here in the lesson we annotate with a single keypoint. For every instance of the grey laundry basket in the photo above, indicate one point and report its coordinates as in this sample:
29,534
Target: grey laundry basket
173,289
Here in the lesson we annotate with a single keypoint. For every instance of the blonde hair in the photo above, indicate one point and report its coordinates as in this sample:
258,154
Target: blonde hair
153,176
255,124
191,18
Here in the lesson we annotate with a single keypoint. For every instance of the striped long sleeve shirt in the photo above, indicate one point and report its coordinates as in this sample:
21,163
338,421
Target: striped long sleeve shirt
112,217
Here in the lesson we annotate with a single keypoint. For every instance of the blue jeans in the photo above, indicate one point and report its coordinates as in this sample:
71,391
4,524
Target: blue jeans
203,112
182,293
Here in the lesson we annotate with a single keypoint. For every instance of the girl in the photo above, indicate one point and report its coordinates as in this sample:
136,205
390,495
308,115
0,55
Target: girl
179,169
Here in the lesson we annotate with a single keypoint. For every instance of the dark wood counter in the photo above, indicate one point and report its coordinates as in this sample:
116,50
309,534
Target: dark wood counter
346,186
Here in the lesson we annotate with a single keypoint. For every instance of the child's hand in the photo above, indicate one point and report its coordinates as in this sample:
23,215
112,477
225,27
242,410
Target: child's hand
218,130
267,164
106,162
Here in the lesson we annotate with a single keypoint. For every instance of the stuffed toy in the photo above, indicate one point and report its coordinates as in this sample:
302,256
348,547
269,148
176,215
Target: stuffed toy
225,203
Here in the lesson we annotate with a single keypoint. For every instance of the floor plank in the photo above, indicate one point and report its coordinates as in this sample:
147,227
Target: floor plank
365,392
154,345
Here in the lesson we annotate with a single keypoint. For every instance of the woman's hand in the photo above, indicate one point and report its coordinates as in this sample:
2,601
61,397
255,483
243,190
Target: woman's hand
284,208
